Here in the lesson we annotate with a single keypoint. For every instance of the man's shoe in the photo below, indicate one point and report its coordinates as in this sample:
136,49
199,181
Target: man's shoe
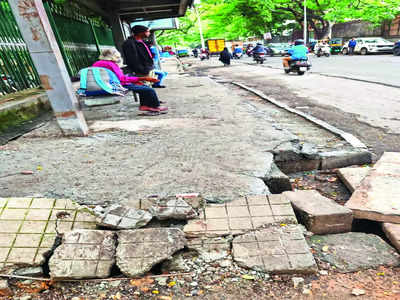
159,86
163,102
147,108
162,108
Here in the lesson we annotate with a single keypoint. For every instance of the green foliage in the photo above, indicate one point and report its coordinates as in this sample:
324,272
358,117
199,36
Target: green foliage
235,19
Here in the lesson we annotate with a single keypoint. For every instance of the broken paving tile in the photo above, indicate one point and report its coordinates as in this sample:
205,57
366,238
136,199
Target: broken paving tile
319,214
377,196
276,249
141,249
392,232
122,217
211,249
27,227
176,209
352,177
195,200
84,254
241,215
353,251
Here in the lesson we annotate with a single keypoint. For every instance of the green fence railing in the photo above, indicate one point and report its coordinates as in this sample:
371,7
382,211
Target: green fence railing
80,38
17,71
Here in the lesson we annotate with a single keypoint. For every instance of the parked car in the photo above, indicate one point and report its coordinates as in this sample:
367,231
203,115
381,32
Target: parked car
277,48
370,45
396,49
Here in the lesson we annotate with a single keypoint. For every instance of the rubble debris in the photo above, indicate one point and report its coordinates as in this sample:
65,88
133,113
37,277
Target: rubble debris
176,209
5,290
122,217
353,251
195,200
275,249
376,197
211,249
139,250
84,254
319,214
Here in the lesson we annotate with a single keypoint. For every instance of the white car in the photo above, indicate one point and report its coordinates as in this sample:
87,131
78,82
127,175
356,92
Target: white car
370,45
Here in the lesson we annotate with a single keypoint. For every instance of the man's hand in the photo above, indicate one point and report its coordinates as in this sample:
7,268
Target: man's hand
150,79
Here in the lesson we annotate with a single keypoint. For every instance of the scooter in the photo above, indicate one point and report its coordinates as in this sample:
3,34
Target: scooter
323,50
203,56
299,66
259,57
237,55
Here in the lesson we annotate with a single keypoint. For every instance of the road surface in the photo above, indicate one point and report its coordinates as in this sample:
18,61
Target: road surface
377,68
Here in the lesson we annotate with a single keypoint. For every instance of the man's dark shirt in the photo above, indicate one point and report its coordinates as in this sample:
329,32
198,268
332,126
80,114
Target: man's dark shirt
137,57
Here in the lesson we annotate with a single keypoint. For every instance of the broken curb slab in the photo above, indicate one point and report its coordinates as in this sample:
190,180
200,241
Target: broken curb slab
353,251
276,249
319,214
352,177
242,215
176,209
377,196
84,254
141,249
392,232
277,181
342,158
122,217
28,228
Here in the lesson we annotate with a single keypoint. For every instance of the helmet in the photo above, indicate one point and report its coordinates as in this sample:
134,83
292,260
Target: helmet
298,42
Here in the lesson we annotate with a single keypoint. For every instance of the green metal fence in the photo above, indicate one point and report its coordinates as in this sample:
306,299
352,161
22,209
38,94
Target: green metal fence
80,38
16,67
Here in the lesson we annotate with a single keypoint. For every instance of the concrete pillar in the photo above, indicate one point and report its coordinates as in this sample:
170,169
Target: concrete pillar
118,31
43,48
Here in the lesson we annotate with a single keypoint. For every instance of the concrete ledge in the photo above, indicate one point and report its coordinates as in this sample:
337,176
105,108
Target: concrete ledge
17,112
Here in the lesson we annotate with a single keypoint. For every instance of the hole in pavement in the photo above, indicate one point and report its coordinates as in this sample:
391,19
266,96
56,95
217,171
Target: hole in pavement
48,254
371,227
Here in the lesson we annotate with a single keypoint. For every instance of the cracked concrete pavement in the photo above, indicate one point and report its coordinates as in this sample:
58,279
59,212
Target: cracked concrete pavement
213,141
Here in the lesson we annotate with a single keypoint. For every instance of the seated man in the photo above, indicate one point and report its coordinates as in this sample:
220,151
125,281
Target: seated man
111,59
297,52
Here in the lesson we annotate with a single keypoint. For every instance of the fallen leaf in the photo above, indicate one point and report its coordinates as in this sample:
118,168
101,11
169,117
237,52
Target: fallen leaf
325,248
248,277
39,168
171,284
381,274
165,298
357,292
155,292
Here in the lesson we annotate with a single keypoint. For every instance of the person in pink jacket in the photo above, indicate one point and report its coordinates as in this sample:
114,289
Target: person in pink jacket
111,59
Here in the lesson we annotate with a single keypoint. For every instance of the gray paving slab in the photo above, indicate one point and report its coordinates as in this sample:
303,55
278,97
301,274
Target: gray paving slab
275,249
352,177
242,215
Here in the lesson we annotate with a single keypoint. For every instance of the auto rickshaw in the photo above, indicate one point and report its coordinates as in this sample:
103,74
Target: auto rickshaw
336,45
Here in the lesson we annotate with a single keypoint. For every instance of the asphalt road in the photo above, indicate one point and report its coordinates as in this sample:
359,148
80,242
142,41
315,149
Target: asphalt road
367,110
378,68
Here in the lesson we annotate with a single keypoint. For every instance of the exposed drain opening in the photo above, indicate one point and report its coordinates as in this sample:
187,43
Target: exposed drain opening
48,254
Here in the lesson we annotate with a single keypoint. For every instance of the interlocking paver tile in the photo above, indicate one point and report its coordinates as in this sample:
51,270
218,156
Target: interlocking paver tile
276,249
139,250
19,202
26,232
81,253
241,216
177,209
123,217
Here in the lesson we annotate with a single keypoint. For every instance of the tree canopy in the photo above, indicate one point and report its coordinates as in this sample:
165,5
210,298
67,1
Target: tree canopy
234,19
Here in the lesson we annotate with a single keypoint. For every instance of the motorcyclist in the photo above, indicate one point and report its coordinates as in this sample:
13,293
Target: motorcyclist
258,49
297,52
238,51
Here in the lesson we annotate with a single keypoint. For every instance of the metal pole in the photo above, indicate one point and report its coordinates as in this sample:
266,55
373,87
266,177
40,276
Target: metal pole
203,44
305,23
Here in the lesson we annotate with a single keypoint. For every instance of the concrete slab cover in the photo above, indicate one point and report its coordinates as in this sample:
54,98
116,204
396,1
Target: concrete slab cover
319,214
139,250
377,198
352,177
392,232
276,249
353,251
123,217
242,215
27,227
84,254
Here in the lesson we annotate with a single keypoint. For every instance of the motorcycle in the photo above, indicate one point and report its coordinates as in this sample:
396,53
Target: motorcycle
237,55
259,58
203,56
321,50
299,66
